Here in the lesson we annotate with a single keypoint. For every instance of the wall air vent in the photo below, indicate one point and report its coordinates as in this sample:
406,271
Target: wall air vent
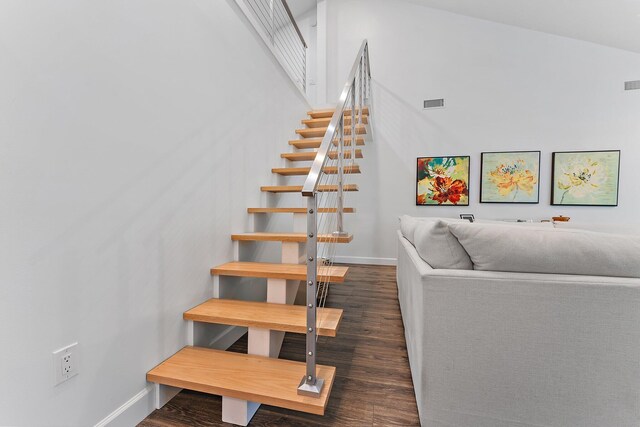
433,103
634,85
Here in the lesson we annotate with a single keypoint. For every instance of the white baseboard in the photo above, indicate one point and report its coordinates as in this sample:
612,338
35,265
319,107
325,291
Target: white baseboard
365,260
132,411
142,404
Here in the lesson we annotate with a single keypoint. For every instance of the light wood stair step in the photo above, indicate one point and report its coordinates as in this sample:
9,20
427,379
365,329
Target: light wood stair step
264,315
315,132
305,171
303,156
328,112
298,188
333,274
296,210
289,237
315,142
259,379
324,121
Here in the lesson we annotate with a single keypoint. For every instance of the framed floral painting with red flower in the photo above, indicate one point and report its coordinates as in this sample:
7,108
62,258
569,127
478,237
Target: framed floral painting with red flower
510,177
443,181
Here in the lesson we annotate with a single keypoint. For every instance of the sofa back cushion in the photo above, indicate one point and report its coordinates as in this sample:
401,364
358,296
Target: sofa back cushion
538,250
438,247
613,227
408,226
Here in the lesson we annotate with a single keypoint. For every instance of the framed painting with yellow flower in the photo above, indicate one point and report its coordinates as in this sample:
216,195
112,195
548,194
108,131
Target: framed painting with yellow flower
443,181
585,178
510,177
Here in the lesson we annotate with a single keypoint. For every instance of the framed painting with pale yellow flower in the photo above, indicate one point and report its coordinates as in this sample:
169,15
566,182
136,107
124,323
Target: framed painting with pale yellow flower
510,177
443,181
585,178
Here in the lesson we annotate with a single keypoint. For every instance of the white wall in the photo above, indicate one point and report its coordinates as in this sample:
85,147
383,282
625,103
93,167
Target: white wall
505,88
307,23
133,136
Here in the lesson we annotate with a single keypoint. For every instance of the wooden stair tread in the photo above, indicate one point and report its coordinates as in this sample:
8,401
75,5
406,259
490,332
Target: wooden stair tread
305,171
259,379
289,237
264,315
317,141
298,188
320,131
302,156
333,274
324,121
297,210
328,112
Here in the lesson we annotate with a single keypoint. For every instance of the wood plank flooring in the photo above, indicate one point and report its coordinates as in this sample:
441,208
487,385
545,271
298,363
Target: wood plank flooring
373,382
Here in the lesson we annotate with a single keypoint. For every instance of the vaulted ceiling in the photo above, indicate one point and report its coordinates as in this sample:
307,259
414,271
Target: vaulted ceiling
614,23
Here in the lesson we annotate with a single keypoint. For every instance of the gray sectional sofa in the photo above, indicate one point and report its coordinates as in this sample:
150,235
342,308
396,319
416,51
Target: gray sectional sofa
538,345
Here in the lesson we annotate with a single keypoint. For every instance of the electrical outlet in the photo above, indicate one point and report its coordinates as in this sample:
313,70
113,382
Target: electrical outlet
66,362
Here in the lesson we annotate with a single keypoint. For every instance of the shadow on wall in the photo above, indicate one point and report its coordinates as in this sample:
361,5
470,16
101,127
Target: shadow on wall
402,132
403,125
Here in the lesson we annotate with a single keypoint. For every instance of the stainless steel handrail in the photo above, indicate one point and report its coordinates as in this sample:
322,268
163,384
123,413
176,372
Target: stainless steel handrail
295,24
311,183
355,93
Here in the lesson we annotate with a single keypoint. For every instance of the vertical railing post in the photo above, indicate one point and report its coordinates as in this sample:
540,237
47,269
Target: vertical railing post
361,90
366,74
273,27
311,385
353,121
304,69
340,207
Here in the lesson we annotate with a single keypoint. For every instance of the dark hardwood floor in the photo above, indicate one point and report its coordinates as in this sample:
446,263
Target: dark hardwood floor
373,383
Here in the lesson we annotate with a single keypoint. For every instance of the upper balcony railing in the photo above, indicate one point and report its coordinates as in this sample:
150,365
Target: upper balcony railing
275,23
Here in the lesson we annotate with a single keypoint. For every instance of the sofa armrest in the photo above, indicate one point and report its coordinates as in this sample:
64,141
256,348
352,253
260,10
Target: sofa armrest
406,248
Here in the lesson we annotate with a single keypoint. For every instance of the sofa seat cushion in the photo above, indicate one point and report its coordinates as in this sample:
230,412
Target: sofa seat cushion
493,247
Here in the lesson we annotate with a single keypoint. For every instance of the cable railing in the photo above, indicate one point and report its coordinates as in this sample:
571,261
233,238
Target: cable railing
325,187
275,23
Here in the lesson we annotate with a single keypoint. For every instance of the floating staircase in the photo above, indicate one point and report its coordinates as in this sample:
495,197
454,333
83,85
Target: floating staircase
320,131
305,156
246,380
324,122
289,237
275,317
242,377
328,112
335,274
260,377
296,210
298,188
315,142
305,171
